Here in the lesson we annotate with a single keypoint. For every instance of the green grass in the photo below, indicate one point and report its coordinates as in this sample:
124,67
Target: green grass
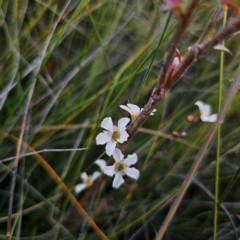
87,58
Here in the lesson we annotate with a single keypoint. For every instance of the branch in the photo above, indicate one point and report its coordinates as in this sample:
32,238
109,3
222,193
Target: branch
232,26
185,18
159,91
196,51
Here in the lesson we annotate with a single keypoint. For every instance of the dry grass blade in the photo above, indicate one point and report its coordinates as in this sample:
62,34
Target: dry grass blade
62,185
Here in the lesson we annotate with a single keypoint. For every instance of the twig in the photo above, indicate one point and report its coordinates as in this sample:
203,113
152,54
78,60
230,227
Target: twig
216,16
159,91
196,51
174,43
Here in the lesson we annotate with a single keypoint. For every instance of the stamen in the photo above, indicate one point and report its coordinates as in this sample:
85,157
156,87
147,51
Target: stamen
116,135
119,166
88,182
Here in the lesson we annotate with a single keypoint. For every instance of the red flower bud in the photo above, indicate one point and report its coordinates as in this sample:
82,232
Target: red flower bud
175,134
190,118
230,5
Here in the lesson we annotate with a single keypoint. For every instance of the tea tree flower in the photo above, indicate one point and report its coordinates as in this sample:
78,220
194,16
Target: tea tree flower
87,181
205,112
113,135
122,167
134,110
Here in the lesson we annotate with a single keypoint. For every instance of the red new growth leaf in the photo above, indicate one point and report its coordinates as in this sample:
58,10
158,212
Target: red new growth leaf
172,3
230,5
174,64
174,6
178,55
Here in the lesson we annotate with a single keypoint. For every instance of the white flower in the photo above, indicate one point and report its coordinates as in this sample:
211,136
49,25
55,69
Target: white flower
205,112
122,167
134,110
113,135
87,181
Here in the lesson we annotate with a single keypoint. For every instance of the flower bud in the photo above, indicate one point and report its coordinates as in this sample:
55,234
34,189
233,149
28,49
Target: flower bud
175,134
190,118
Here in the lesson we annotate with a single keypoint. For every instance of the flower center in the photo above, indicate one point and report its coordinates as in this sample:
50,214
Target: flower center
115,136
133,117
88,182
119,166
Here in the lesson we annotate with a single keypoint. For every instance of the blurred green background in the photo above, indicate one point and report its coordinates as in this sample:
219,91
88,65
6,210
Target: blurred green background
87,58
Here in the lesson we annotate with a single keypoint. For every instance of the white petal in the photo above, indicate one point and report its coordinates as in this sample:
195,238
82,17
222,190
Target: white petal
101,163
204,118
78,188
132,172
154,110
126,108
211,118
110,148
107,124
131,159
117,155
200,105
109,170
122,123
102,138
95,176
175,62
84,176
118,180
207,109
123,136
134,108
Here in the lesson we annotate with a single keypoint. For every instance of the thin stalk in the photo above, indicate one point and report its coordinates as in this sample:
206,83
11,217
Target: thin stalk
221,199
218,151
16,161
